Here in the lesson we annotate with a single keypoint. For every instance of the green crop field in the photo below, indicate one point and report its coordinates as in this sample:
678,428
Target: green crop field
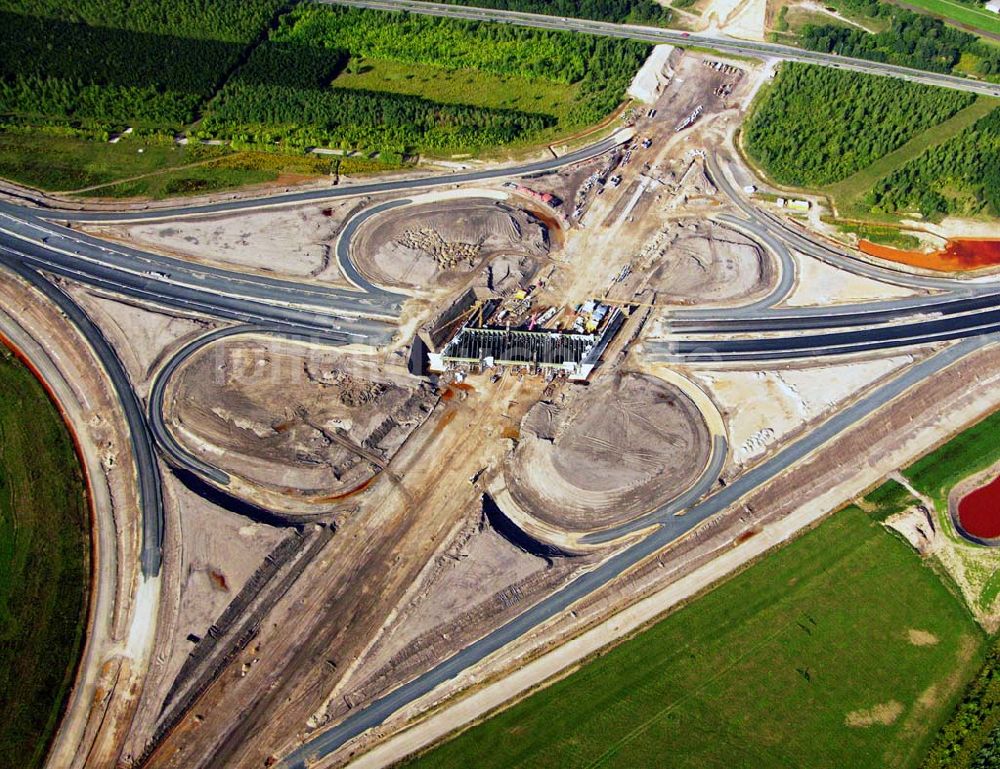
966,454
43,566
840,650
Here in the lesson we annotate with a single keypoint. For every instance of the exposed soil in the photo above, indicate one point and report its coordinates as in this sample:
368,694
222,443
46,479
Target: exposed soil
597,457
292,417
921,637
293,242
959,255
440,243
696,260
883,715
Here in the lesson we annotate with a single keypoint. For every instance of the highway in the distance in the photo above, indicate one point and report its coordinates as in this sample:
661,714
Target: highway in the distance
675,37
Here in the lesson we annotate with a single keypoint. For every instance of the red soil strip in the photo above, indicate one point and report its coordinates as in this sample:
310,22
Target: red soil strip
979,511
958,256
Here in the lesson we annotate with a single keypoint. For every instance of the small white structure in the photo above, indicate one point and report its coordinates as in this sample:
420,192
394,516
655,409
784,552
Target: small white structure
653,75
993,5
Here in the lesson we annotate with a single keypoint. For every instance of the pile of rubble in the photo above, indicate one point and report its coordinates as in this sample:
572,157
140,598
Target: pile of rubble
447,254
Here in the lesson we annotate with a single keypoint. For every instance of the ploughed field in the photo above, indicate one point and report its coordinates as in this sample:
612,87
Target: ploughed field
44,564
842,649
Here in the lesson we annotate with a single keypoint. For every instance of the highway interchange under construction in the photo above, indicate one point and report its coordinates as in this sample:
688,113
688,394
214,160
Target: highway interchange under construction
369,489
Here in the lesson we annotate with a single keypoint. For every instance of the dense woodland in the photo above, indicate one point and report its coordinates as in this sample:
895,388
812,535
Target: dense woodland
104,64
245,74
818,125
912,40
603,66
235,21
960,176
283,93
634,11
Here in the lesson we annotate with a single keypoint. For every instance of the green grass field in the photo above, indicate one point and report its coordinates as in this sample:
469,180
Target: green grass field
966,454
972,15
65,163
804,660
888,499
464,86
43,566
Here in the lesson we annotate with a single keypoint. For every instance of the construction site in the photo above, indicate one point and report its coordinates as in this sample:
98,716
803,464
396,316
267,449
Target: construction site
512,398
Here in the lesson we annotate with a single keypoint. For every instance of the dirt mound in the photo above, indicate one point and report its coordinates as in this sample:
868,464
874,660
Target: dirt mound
601,456
701,261
292,418
437,244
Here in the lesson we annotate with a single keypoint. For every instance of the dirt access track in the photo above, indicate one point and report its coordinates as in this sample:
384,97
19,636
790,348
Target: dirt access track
601,456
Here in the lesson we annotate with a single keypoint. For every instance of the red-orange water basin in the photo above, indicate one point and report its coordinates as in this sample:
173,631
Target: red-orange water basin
979,511
958,255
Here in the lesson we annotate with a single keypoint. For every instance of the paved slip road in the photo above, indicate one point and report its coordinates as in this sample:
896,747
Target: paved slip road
148,472
675,37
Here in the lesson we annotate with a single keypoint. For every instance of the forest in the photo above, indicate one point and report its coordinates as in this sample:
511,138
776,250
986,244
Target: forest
239,72
630,11
960,176
603,66
234,21
283,93
912,40
144,63
816,125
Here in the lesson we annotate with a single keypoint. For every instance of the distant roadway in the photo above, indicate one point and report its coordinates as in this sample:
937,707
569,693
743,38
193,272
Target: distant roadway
717,42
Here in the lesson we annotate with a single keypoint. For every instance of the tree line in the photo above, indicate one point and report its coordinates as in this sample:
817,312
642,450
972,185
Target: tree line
960,176
101,65
912,40
603,66
631,11
816,125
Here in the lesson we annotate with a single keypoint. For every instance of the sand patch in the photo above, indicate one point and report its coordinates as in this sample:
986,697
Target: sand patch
921,637
880,715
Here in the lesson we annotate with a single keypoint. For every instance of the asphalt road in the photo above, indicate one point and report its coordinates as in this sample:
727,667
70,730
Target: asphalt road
671,527
675,37
331,193
148,472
